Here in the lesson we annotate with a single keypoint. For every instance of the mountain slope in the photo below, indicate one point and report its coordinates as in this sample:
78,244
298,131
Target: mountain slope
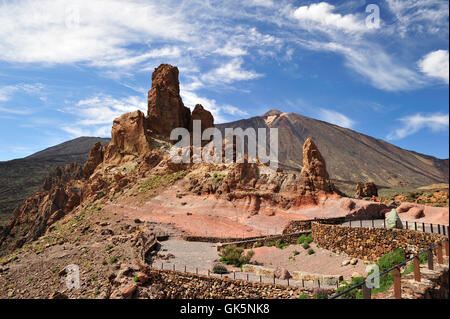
20,178
350,156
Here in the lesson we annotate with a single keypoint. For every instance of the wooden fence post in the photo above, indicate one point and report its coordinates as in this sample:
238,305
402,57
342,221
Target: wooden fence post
431,225
367,292
416,268
439,253
360,223
415,225
423,227
397,283
439,229
430,260
446,248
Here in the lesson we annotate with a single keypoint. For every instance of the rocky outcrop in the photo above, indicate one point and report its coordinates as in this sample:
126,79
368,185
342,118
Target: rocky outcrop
129,138
62,175
60,193
366,189
314,172
166,110
206,118
95,158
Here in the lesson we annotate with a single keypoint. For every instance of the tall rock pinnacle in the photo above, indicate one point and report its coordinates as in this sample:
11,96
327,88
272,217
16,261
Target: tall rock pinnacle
166,110
314,171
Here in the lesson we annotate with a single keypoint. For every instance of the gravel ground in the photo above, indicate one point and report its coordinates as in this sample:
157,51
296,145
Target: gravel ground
321,262
198,257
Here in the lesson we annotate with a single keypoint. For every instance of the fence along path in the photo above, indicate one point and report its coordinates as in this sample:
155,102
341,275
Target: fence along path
437,248
247,276
411,225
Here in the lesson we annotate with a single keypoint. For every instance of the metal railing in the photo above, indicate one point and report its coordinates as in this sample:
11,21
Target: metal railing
439,229
396,269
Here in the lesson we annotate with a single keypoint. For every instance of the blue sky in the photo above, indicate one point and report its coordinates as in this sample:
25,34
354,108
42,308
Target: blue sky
68,68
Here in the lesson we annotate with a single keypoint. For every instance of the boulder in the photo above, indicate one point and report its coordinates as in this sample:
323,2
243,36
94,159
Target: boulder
128,291
166,110
393,220
366,189
128,138
282,273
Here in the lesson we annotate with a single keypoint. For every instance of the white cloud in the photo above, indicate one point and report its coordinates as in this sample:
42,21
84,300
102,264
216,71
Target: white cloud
95,115
375,65
435,64
230,72
321,15
219,112
420,16
7,92
336,118
63,31
414,123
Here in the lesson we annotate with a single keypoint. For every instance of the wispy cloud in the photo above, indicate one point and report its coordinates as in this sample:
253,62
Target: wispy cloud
414,123
95,115
230,72
435,64
336,118
220,112
7,92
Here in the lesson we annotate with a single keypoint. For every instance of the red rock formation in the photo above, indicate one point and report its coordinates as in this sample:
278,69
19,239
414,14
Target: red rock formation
314,172
60,193
206,118
366,189
95,158
166,110
128,138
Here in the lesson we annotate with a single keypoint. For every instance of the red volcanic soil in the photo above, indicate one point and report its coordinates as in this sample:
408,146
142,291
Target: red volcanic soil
210,216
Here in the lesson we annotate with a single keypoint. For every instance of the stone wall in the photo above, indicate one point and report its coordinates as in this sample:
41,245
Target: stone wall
302,225
249,243
370,243
209,239
306,277
180,285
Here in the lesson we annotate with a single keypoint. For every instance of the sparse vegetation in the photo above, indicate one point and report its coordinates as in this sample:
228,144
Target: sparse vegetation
219,269
305,246
232,255
311,251
157,181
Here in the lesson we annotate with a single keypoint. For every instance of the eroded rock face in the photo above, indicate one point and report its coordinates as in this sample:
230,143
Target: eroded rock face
166,110
206,118
95,158
60,193
128,138
314,172
366,189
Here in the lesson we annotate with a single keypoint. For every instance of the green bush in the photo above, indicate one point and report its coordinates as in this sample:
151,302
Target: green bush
310,251
257,244
270,244
305,246
232,255
220,269
308,239
301,239
355,293
279,244
303,296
